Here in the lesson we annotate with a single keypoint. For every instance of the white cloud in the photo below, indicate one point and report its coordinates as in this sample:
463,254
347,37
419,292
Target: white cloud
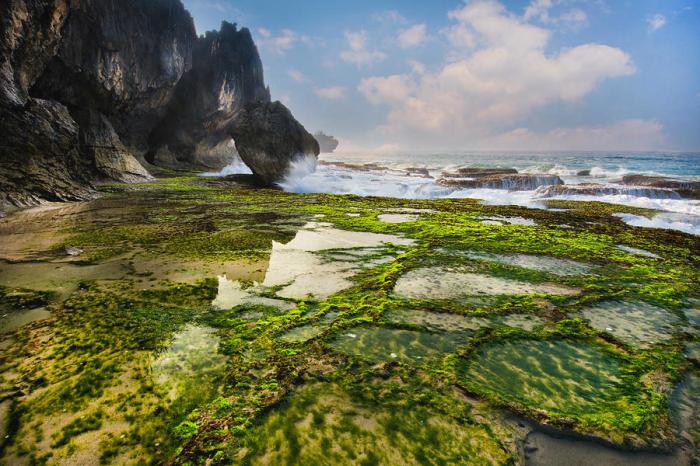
542,10
297,75
358,52
390,17
332,92
505,77
656,22
416,66
624,135
413,36
281,42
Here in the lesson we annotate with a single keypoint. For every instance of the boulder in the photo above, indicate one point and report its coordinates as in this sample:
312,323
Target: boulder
269,139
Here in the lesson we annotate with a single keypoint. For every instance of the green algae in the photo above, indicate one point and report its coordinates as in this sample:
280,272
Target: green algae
97,353
386,344
321,424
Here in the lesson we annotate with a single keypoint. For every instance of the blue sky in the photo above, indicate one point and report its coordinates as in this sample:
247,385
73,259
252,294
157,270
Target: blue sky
481,74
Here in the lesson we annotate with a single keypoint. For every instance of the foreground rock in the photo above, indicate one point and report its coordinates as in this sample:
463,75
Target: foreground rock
685,188
87,89
511,182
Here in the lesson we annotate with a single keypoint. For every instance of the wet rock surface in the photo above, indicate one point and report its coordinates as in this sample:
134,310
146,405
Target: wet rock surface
509,181
689,189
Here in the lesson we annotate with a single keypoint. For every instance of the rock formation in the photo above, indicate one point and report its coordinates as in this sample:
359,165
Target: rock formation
596,189
88,88
327,143
509,181
685,188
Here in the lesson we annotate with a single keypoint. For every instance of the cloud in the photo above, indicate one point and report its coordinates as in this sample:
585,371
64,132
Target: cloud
413,36
656,22
624,135
542,10
332,92
297,75
505,77
389,17
358,54
281,42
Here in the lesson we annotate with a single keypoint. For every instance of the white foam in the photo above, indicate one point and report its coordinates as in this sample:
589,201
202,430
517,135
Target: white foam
666,221
236,167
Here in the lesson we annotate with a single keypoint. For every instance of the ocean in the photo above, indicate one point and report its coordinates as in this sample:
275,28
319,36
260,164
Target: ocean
416,175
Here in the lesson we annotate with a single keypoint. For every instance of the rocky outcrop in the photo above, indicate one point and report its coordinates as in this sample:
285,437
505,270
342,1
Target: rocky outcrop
478,172
596,189
511,182
90,87
268,138
326,143
226,76
685,188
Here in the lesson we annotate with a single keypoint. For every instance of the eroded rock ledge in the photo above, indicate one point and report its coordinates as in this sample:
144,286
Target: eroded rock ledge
97,90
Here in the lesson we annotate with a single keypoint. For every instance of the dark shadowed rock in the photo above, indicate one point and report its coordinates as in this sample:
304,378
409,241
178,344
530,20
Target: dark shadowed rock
88,88
103,150
685,188
511,182
583,173
226,75
326,143
268,138
39,155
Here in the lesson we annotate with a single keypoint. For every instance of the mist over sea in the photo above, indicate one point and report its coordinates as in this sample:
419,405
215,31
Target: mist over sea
416,175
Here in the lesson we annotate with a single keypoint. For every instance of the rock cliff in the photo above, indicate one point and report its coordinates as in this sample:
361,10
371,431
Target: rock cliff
88,88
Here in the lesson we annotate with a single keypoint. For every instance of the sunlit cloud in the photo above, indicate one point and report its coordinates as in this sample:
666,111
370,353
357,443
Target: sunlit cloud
332,92
358,53
505,77
413,36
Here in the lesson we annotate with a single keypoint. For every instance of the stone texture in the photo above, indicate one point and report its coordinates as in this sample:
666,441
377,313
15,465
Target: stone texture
90,87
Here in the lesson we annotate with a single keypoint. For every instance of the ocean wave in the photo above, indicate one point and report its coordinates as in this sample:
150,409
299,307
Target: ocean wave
666,221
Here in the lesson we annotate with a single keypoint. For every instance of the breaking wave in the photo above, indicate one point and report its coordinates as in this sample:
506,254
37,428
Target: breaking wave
404,178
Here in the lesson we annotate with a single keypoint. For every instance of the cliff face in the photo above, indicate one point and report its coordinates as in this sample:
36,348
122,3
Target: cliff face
87,87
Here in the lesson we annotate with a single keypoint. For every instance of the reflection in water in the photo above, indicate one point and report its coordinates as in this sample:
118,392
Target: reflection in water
635,323
16,319
300,268
445,283
191,366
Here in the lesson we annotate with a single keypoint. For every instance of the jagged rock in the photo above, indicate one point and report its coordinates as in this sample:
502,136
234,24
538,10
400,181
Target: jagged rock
511,182
39,156
685,188
595,189
89,87
326,143
226,75
478,172
268,139
583,173
100,144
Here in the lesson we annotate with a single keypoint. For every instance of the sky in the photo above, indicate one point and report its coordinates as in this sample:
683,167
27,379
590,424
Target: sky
480,74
